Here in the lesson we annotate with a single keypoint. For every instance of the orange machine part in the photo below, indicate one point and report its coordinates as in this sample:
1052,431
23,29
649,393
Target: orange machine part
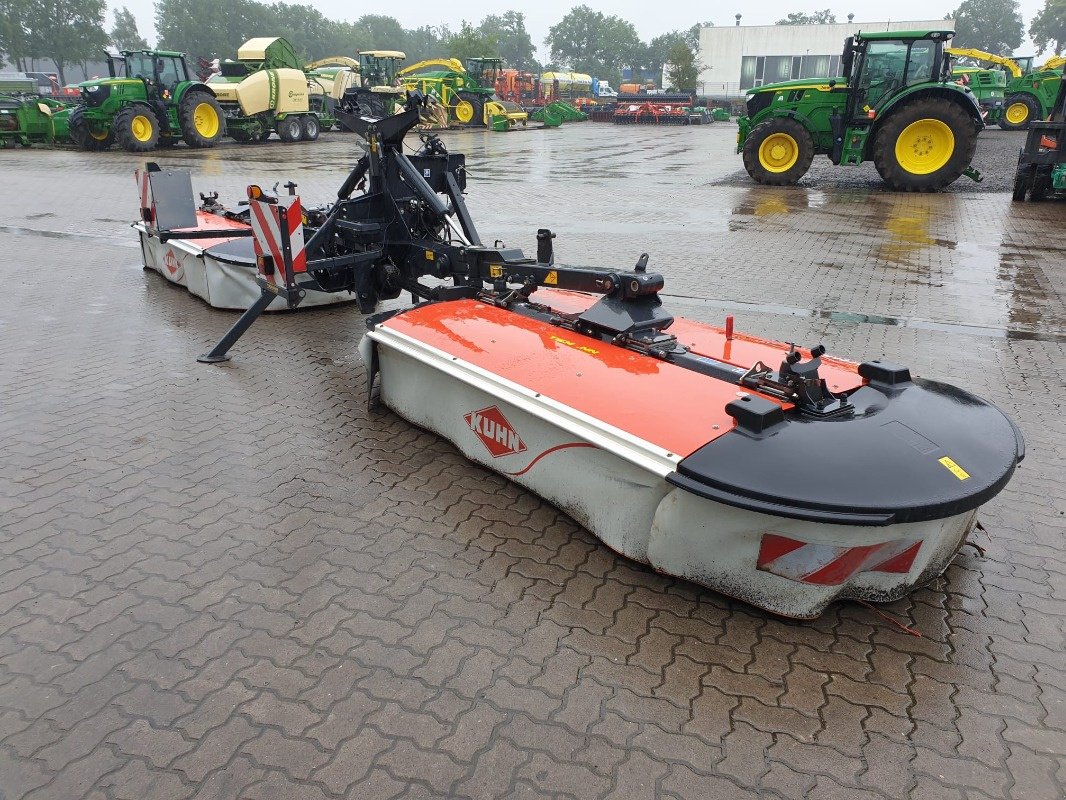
673,408
707,340
213,222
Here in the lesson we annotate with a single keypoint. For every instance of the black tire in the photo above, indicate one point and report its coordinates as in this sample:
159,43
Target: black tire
370,104
200,119
1042,185
787,168
136,129
82,136
954,162
1032,112
166,141
290,129
1023,182
310,127
478,102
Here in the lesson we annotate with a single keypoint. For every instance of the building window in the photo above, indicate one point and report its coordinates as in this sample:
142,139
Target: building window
757,70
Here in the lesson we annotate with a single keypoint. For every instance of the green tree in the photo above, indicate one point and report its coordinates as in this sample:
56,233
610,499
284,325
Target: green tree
692,35
124,33
1048,28
210,27
825,17
379,32
470,42
425,42
595,43
66,31
682,71
512,40
659,49
992,25
14,36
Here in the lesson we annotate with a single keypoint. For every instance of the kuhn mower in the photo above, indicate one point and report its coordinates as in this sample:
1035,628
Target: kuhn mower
765,471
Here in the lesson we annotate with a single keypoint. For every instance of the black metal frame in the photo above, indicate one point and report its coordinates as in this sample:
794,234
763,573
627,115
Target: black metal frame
1036,162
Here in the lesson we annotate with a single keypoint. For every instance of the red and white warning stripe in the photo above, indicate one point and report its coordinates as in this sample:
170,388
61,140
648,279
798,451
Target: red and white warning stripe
273,235
147,204
831,565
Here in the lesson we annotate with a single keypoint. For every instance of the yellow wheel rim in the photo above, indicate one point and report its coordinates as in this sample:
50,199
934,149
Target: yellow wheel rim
464,112
205,120
100,137
778,152
1017,113
925,146
142,128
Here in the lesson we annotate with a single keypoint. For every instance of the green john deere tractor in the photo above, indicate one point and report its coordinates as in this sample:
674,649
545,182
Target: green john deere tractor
151,100
896,104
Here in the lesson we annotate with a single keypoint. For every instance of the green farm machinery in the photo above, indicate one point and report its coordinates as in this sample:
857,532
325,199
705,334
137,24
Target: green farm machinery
467,91
896,104
150,99
27,118
1031,95
1029,91
267,90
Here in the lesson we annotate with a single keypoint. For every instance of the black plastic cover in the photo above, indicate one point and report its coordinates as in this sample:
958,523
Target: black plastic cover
240,252
916,451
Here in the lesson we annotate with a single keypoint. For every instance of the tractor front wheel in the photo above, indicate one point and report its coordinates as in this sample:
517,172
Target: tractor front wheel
290,129
200,118
136,129
925,145
82,134
1018,111
778,152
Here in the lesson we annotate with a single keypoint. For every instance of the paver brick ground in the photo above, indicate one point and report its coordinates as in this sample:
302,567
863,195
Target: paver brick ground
236,582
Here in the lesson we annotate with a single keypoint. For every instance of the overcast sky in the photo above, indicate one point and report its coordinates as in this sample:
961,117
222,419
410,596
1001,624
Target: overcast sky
650,19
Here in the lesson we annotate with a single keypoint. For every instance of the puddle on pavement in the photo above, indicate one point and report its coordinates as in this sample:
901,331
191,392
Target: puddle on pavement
22,231
857,318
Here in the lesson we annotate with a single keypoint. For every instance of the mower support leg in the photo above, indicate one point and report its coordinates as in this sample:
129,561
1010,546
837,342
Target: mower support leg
220,351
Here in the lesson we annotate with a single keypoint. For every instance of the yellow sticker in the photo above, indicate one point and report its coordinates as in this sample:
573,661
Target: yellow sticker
430,255
954,468
552,278
495,271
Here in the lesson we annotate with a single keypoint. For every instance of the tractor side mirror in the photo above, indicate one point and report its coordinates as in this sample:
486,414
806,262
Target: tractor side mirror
847,58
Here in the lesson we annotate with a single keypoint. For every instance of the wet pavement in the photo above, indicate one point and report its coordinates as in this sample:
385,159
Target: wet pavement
235,581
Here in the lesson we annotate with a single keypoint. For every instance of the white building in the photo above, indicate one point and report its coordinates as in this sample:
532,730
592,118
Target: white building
737,58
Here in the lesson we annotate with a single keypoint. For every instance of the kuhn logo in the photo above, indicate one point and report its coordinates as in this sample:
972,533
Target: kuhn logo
170,261
495,431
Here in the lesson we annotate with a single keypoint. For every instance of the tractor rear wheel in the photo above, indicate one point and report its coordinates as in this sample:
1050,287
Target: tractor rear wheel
290,129
136,129
778,152
83,136
1018,111
310,127
200,118
925,145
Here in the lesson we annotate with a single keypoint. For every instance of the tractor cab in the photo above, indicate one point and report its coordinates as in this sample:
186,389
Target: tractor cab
878,66
159,69
379,67
484,70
